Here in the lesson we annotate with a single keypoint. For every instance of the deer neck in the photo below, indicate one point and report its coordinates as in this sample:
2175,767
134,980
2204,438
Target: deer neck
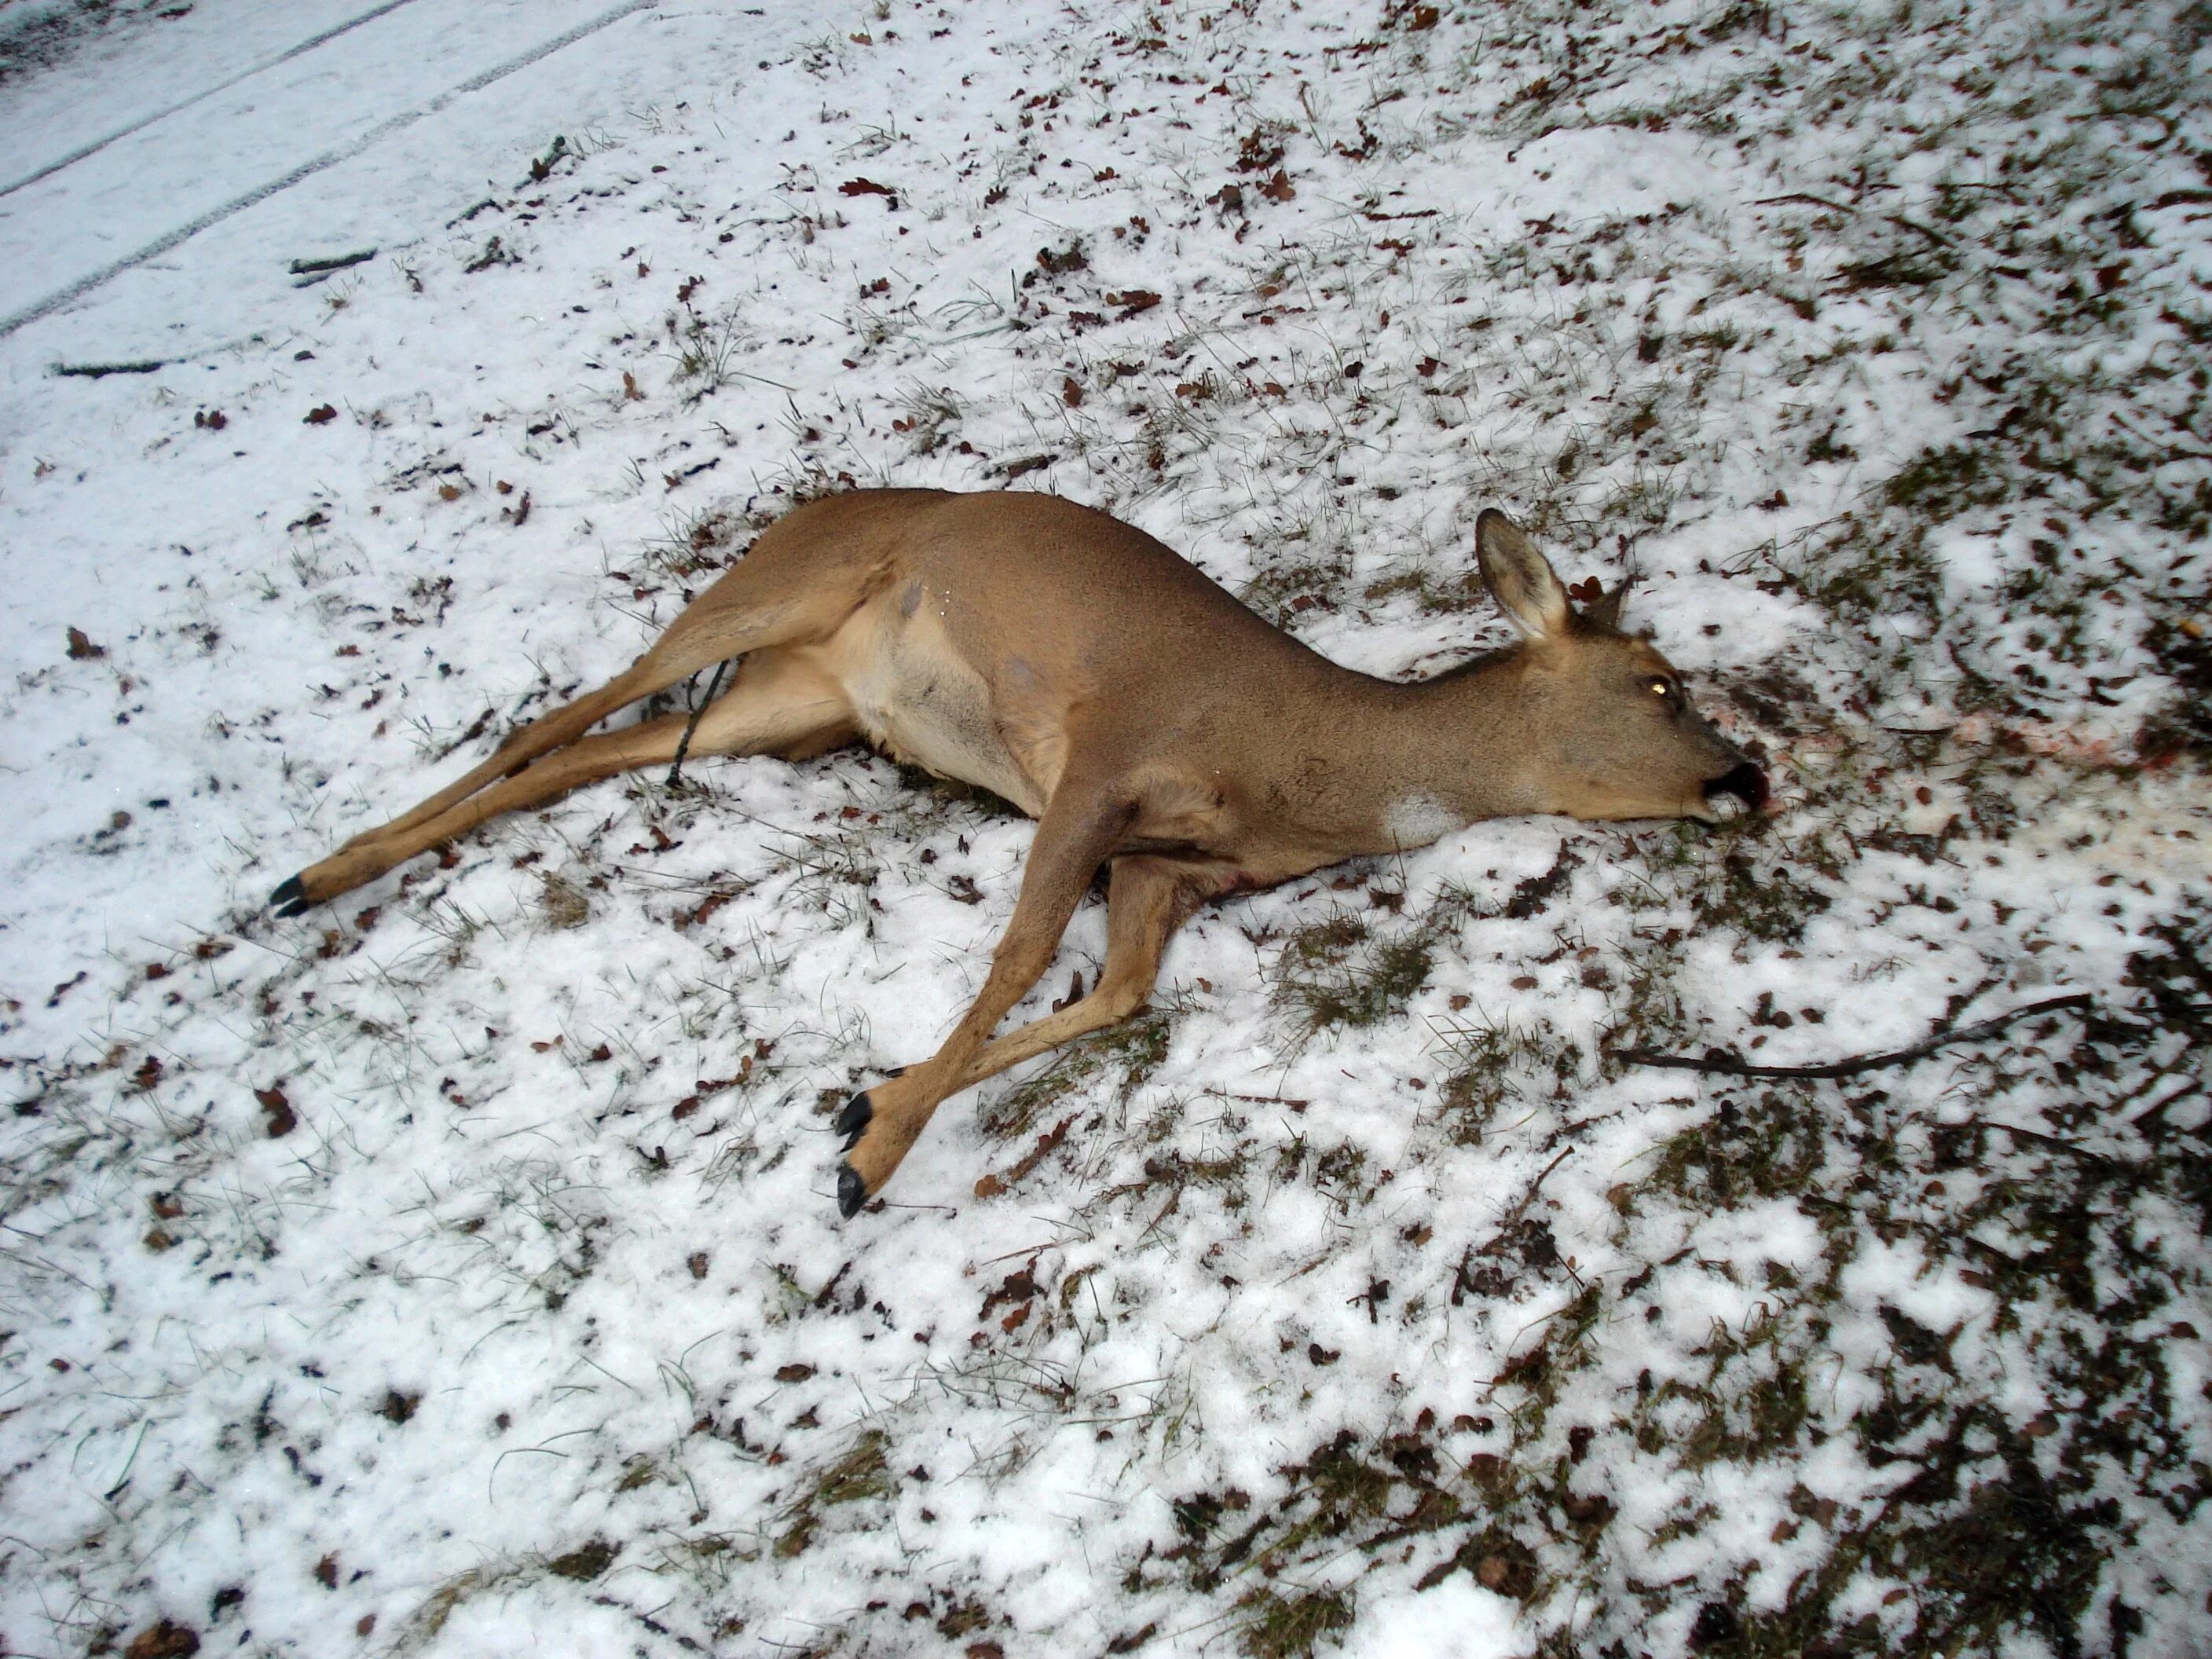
1416,762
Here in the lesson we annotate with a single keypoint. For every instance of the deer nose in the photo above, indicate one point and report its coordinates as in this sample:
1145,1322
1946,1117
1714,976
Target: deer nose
1746,783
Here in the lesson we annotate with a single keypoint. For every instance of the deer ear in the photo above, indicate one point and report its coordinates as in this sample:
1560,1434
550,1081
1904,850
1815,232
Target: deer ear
1606,611
1519,578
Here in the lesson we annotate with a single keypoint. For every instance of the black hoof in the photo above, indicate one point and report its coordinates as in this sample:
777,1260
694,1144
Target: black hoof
852,1191
853,1122
290,899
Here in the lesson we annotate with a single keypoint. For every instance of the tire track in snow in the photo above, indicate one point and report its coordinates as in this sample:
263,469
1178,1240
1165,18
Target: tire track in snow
237,205
266,65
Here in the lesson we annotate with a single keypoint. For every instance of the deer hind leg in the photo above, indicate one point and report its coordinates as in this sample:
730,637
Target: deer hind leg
1078,831
779,704
776,595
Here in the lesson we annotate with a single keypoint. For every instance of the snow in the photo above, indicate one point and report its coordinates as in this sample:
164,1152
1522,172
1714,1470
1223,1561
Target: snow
454,1269
1455,1621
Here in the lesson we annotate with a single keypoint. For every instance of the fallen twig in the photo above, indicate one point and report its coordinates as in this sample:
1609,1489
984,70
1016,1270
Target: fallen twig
2043,1139
1529,1197
1798,197
1720,1060
684,743
337,262
95,371
1897,219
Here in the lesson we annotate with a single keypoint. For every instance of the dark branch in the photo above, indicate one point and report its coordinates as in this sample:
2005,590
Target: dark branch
1716,1059
96,371
339,262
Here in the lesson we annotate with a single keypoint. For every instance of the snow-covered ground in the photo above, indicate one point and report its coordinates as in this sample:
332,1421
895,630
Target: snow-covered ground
456,1270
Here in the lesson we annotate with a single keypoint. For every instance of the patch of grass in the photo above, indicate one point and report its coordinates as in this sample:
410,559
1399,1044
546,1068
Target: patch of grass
1138,1046
1290,1627
1724,336
39,36
1942,483
563,903
1340,1173
709,351
1491,1061
833,871
439,1607
1276,591
1998,1530
692,541
1748,1151
1346,1493
1337,971
1983,1544
1174,1171
1434,592
585,1562
1644,1010
1753,1404
1760,897
1861,568
927,414
862,1475
1377,1496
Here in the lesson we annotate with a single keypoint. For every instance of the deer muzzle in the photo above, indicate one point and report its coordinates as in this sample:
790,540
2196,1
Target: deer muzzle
1746,782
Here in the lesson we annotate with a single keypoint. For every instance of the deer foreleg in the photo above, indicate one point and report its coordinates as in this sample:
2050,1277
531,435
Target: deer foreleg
1078,832
1149,899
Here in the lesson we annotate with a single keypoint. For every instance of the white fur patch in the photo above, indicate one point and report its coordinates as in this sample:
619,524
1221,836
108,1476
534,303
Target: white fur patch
1419,819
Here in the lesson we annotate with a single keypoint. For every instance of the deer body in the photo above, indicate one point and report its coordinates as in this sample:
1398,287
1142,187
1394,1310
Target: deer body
1148,720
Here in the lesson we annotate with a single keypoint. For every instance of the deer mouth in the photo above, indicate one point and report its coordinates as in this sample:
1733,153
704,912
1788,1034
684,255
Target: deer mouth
1745,784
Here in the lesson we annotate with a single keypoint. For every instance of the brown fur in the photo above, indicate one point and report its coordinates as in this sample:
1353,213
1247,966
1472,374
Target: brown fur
1078,667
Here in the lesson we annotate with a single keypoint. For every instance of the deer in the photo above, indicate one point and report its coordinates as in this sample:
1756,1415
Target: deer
1154,727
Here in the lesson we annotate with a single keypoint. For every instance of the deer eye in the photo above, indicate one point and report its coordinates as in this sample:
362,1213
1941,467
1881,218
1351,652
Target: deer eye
1661,686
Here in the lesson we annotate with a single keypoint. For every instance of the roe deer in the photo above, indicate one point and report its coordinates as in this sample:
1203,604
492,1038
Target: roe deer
1143,717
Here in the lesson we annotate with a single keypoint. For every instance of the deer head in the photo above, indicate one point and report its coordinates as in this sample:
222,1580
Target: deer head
1607,729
